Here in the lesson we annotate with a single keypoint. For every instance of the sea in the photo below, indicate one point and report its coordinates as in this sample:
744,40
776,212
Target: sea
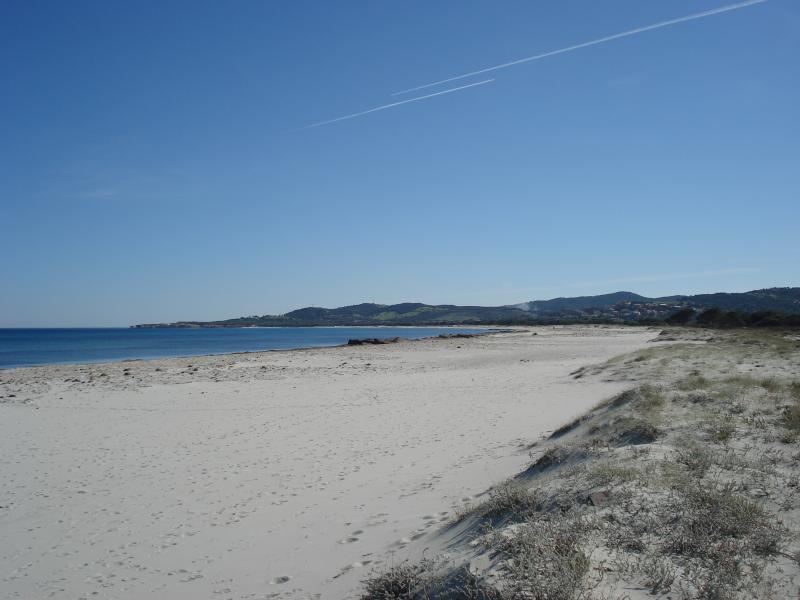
28,347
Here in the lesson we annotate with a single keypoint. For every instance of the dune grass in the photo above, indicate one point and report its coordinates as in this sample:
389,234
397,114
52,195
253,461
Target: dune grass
675,488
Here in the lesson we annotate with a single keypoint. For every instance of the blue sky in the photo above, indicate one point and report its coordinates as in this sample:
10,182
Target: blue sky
155,163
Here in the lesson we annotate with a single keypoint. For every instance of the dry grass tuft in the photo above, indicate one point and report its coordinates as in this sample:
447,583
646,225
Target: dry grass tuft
693,381
791,417
545,559
609,472
399,582
695,457
721,430
658,572
510,500
704,517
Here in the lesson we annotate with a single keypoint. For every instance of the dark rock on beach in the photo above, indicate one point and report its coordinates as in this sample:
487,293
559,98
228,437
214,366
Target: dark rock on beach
364,341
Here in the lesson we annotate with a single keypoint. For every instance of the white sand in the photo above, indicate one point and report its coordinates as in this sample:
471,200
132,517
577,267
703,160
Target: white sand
277,474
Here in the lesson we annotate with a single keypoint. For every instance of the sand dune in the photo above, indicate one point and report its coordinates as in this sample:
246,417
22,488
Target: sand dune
276,474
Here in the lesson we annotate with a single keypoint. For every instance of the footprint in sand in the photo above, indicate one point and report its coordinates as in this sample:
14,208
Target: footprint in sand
434,519
280,580
376,520
356,565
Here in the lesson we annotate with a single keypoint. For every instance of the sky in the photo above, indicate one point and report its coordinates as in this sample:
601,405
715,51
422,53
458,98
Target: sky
159,161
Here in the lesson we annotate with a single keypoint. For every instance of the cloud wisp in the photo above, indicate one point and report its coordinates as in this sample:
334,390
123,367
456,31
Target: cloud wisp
616,36
393,104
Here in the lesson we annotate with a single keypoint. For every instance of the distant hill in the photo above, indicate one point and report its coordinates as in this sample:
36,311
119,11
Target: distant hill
409,313
619,307
784,299
579,302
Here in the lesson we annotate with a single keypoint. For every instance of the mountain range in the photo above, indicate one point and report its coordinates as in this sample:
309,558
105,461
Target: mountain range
623,307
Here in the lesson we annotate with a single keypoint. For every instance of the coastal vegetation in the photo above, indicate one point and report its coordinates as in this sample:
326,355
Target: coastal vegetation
685,486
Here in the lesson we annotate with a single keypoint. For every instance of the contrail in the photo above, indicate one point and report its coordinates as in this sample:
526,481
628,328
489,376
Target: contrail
385,106
602,40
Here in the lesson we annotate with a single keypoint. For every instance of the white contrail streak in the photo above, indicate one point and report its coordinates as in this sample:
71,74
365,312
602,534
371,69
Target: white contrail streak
393,104
602,40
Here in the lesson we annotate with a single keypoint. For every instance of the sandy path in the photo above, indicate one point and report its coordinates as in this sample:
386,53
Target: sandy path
280,474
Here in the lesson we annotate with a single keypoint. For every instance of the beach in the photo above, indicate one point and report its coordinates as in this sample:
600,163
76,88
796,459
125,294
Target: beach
286,474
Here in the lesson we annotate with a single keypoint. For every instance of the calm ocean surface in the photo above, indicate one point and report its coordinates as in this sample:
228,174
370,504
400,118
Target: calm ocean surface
24,347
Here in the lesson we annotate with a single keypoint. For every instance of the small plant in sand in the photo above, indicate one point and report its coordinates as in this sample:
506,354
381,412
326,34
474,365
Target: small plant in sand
695,457
658,572
608,472
721,429
791,417
771,385
509,499
705,516
693,381
545,559
398,582
652,398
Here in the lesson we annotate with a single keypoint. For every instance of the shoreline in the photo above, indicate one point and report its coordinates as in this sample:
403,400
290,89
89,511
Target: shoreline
487,330
290,473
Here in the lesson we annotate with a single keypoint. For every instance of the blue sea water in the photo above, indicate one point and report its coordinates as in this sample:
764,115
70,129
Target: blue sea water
26,347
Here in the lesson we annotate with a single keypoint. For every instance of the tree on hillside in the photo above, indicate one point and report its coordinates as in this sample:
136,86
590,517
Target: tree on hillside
681,317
